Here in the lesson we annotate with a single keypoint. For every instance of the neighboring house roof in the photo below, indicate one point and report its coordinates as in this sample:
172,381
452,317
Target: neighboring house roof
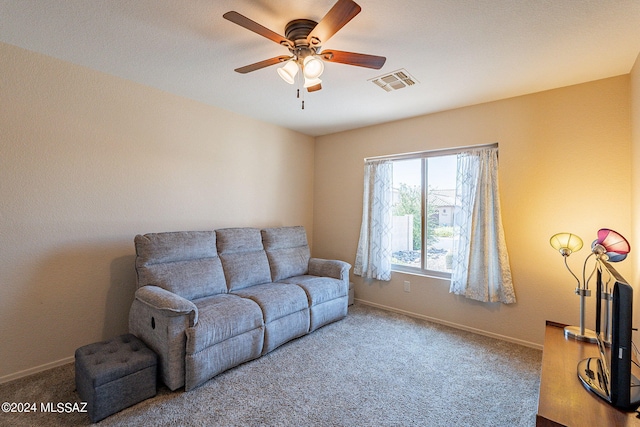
442,198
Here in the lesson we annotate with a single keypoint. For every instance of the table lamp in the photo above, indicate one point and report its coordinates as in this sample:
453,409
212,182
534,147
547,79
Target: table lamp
610,246
566,244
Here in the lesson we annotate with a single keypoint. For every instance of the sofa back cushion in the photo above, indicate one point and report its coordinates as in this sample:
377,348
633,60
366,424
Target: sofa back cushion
287,250
244,260
185,263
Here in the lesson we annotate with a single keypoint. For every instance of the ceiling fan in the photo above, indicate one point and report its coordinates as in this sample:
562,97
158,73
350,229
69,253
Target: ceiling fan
304,39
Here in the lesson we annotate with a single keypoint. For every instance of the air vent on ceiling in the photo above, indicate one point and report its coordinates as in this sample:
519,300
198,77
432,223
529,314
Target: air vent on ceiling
395,80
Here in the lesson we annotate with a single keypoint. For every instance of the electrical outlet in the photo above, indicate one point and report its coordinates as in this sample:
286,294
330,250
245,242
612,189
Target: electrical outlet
407,286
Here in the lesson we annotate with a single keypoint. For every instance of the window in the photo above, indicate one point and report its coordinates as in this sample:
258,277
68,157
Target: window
423,209
409,209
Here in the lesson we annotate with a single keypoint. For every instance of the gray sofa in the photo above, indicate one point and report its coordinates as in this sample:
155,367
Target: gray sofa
210,300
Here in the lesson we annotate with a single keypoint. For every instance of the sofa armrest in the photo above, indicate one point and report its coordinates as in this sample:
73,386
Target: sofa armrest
160,318
167,303
329,268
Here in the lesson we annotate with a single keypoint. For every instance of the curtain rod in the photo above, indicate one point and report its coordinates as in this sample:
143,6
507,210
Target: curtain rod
431,153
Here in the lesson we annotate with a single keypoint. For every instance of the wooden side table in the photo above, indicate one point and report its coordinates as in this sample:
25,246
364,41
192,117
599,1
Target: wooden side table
563,400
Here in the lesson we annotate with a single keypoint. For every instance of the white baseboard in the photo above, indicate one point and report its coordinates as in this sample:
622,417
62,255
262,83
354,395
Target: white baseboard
35,370
451,324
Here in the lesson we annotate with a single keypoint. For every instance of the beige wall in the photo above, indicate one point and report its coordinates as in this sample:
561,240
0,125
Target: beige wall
564,166
86,162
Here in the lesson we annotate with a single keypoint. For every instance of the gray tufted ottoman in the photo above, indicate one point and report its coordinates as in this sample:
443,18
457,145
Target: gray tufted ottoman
115,374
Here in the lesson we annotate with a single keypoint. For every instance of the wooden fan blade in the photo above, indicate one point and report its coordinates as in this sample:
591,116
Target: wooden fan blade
351,58
341,13
250,25
262,64
314,88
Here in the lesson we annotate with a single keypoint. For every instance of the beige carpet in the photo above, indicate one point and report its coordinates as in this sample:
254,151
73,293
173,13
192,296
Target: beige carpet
373,368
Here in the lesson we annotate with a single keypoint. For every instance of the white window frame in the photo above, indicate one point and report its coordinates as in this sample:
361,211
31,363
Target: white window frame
422,271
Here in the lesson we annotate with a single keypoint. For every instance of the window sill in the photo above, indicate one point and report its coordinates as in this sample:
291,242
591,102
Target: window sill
421,273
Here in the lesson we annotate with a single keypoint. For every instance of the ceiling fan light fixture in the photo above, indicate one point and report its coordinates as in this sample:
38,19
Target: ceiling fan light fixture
288,72
311,82
312,67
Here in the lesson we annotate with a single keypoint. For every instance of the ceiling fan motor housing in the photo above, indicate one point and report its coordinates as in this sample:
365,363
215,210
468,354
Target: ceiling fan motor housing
297,31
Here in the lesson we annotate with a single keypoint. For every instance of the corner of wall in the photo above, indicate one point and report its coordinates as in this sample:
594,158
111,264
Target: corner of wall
635,165
635,180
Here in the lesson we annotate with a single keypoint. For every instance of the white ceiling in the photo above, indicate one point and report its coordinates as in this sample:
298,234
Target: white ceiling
462,52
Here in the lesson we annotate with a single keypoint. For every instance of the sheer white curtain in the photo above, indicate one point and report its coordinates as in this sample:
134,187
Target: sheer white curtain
373,259
480,261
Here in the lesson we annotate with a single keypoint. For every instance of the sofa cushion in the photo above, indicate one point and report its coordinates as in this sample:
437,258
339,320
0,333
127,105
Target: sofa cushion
238,240
284,237
287,251
221,317
319,289
185,263
276,299
244,260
